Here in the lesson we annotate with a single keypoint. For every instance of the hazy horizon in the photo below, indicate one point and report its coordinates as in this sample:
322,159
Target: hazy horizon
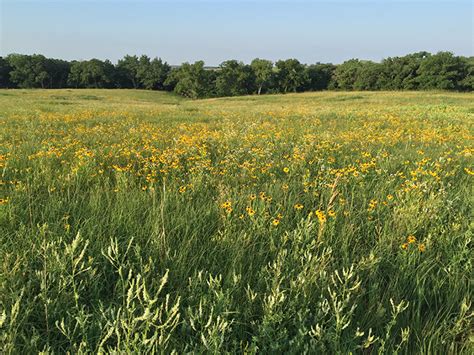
185,31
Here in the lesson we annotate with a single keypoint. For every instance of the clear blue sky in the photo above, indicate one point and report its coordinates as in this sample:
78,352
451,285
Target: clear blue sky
178,31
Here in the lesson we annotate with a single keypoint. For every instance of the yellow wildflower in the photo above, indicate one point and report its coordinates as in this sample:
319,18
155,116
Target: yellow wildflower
469,171
321,216
250,211
226,204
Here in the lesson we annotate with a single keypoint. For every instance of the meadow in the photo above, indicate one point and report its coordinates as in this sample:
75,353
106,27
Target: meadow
142,222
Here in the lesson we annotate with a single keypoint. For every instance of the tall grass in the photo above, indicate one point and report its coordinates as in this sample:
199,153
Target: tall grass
139,222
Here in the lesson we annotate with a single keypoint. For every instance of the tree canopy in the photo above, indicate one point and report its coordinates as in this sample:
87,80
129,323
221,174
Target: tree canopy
416,71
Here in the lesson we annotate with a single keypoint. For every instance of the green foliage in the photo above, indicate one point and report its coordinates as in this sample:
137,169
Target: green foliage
154,73
192,80
28,70
468,82
129,68
234,78
417,71
263,71
92,73
400,73
5,70
318,76
143,72
346,74
357,75
290,75
442,71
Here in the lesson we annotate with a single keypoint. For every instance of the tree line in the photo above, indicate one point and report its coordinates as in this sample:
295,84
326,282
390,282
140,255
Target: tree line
417,71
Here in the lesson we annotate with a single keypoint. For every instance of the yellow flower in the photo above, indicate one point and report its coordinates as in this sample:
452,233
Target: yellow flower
331,213
276,222
182,189
469,171
285,187
321,216
252,197
405,246
421,247
286,170
389,197
3,201
372,205
298,206
411,239
250,211
226,205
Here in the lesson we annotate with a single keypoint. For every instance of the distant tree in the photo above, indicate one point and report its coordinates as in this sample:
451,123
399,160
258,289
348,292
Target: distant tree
234,78
415,71
367,77
290,75
153,74
346,74
29,71
58,72
356,74
5,70
468,81
192,80
318,76
128,68
263,71
401,73
441,71
92,73
75,74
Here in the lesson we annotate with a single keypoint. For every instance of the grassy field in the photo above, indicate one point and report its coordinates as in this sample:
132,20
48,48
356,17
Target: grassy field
325,223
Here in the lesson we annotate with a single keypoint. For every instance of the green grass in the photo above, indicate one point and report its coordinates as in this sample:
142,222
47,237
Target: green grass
137,221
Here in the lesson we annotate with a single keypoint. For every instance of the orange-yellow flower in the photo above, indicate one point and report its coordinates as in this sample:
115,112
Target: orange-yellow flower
226,204
250,211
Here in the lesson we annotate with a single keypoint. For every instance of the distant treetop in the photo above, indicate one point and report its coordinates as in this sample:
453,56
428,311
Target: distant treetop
417,71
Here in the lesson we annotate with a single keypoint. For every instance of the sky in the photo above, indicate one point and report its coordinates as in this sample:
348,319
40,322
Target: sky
214,31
